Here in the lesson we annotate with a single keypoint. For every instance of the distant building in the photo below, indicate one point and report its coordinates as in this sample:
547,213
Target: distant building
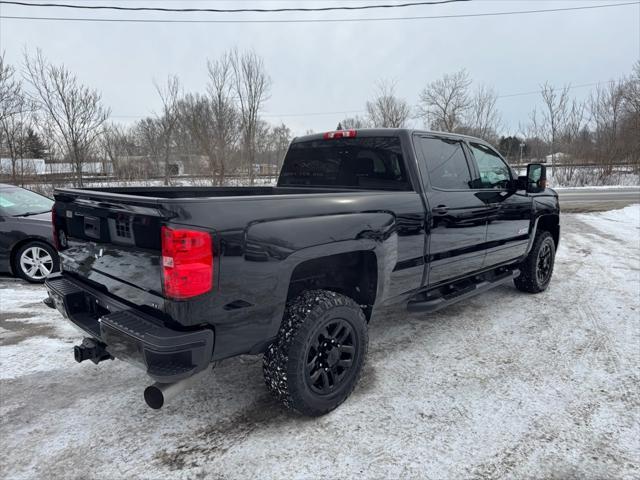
91,168
24,166
265,169
559,157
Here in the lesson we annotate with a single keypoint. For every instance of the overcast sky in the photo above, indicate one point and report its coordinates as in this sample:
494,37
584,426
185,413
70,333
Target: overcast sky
333,67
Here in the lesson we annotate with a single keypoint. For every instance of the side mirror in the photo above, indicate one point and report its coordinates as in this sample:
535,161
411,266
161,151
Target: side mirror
536,179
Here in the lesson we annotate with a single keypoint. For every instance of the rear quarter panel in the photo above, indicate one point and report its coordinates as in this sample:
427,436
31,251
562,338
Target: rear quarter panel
256,258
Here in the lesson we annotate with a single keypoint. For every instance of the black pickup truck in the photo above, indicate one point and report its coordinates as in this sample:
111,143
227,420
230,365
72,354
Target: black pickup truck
176,279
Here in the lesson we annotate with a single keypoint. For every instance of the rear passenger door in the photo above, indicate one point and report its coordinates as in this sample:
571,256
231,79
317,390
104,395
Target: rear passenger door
456,217
508,225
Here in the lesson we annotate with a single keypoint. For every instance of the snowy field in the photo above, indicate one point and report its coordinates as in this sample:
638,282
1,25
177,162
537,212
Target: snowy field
506,385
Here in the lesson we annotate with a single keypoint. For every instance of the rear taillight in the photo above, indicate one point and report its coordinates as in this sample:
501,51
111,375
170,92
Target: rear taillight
187,263
339,134
54,224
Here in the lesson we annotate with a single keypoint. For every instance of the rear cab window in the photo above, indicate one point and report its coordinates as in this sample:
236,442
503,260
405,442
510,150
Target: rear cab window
368,163
445,162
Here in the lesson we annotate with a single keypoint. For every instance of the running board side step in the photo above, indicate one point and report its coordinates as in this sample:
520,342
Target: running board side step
423,302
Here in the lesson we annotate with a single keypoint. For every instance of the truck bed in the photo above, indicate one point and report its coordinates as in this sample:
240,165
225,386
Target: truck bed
204,192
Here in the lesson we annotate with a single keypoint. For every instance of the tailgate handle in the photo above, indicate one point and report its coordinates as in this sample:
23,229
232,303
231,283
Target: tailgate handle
92,227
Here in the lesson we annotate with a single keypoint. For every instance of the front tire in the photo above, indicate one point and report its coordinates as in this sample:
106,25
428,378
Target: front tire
537,268
316,362
35,260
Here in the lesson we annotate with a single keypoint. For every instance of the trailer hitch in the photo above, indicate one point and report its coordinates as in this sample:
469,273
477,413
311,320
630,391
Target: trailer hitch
91,349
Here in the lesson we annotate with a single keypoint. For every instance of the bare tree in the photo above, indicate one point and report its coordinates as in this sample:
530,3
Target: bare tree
606,110
631,122
554,114
387,110
273,143
353,123
15,118
224,113
534,136
10,89
118,147
209,124
150,138
196,130
73,112
264,147
483,118
167,120
14,131
281,140
573,137
251,88
444,103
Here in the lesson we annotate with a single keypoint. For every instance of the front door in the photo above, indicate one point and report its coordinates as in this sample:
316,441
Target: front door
508,226
456,216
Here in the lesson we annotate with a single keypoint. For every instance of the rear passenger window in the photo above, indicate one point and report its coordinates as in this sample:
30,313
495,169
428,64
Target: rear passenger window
446,164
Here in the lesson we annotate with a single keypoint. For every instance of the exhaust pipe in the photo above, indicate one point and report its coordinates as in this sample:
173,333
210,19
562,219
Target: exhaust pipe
158,394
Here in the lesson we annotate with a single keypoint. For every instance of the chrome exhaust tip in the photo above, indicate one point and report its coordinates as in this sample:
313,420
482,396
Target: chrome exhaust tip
158,394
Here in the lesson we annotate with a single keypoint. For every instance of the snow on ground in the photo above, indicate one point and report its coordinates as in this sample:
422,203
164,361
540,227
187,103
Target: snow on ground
599,188
505,385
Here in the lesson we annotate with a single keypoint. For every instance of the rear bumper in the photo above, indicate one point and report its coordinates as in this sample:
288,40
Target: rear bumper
167,355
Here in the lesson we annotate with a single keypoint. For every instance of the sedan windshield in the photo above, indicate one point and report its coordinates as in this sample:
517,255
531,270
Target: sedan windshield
18,202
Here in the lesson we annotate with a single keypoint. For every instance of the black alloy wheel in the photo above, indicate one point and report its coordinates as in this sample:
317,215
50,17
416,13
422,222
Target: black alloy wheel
330,356
543,269
317,359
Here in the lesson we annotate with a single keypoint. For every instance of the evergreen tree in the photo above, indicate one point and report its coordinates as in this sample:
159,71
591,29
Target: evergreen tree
34,147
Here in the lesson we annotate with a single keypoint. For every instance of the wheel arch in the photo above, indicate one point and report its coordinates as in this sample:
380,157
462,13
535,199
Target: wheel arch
353,273
549,223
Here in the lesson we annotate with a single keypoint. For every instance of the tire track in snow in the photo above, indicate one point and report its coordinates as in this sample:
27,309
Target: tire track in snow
601,344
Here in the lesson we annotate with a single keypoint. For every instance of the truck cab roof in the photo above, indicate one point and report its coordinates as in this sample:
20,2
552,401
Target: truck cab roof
386,132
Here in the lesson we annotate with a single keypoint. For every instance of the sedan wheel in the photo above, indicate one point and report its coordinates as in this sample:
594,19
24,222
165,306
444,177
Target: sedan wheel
36,261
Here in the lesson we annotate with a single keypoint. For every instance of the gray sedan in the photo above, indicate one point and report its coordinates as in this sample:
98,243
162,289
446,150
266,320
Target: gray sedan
26,235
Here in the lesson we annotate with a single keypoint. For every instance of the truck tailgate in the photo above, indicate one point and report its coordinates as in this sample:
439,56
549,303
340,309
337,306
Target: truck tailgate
112,243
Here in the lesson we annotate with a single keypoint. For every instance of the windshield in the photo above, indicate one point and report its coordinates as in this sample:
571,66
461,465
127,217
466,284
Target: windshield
373,163
15,201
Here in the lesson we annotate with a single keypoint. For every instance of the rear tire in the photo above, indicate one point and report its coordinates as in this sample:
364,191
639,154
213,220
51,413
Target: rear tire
316,362
536,270
35,260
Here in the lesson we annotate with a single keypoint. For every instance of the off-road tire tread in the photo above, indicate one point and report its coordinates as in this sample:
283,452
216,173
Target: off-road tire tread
299,318
527,281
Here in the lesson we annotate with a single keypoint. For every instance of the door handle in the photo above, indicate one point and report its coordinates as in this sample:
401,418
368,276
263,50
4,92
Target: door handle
440,210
